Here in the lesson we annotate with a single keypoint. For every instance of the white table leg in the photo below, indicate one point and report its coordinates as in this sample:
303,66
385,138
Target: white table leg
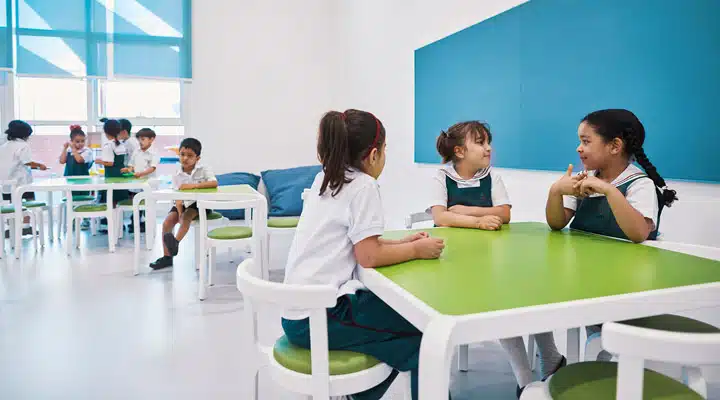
136,237
150,221
201,260
17,202
573,345
69,217
50,222
435,359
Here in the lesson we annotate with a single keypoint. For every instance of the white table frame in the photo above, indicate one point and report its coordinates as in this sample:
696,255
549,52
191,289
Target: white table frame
259,222
60,185
441,333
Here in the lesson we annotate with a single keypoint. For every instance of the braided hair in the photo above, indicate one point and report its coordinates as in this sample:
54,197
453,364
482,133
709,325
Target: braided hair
623,124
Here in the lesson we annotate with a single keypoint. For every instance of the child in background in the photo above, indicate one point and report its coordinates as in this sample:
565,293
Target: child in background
339,230
612,197
143,163
113,157
131,144
191,175
76,157
16,158
468,193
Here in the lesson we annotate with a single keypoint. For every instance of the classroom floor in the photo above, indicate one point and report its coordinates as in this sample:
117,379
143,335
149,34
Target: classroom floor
83,327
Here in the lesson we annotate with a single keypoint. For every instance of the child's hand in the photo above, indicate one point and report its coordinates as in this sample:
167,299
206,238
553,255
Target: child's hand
416,236
566,184
124,170
42,167
137,175
591,185
66,145
428,248
489,223
187,186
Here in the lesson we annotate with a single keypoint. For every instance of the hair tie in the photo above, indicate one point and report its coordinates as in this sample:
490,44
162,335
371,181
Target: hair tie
377,135
74,127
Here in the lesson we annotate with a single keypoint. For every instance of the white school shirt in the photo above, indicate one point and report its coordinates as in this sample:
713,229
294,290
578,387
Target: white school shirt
14,154
142,160
110,149
86,154
199,174
640,194
322,251
439,194
132,145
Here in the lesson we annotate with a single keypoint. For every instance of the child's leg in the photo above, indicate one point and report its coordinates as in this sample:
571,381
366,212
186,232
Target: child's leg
591,330
187,219
550,357
515,348
170,221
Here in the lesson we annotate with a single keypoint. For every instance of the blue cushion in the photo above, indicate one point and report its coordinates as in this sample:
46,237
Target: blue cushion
285,187
237,178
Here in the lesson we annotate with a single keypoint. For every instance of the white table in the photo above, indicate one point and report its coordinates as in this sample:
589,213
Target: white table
442,332
68,185
222,193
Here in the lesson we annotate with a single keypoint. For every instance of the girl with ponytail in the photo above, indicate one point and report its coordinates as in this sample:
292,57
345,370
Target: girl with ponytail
339,230
612,197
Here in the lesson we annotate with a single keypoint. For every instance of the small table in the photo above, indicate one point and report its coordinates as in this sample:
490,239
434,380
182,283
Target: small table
221,193
68,185
527,279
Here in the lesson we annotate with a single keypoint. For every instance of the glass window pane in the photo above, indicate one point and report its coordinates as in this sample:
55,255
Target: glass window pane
43,99
40,55
55,130
142,98
67,15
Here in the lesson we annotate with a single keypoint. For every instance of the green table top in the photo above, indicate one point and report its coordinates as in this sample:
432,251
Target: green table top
99,180
527,264
224,189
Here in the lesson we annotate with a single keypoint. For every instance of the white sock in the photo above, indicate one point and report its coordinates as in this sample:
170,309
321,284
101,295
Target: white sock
550,357
515,347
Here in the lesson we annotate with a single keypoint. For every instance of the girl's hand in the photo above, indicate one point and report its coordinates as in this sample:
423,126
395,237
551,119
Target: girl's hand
187,186
416,236
124,170
591,185
428,248
66,145
566,184
42,167
489,222
137,175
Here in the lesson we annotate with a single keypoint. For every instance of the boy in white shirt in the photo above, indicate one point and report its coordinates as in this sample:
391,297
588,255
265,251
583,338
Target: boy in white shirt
191,175
143,163
16,158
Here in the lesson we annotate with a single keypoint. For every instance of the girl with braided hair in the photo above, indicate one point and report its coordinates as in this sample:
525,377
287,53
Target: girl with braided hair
612,197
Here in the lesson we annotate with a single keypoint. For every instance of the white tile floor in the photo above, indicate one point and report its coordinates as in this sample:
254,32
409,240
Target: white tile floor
83,327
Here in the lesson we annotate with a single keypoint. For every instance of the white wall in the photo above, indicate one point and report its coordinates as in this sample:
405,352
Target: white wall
380,37
262,72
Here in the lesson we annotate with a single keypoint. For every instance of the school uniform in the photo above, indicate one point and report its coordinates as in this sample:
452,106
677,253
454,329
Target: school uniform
593,213
484,189
199,174
75,168
132,146
322,252
117,153
142,160
14,155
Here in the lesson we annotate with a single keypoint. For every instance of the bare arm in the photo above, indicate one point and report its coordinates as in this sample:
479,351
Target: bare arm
78,158
372,252
145,173
36,165
635,226
105,163
443,217
63,155
202,185
502,211
556,214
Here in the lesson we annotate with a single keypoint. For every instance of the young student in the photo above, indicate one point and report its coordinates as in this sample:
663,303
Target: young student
339,230
76,157
131,143
468,193
612,196
191,175
16,158
143,163
113,158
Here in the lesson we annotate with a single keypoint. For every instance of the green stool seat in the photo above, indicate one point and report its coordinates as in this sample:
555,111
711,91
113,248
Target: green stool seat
341,361
8,209
283,222
90,208
211,217
672,323
129,202
230,233
34,204
597,380
81,198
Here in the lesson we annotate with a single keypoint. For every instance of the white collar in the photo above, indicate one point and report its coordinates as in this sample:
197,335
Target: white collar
631,172
197,167
450,172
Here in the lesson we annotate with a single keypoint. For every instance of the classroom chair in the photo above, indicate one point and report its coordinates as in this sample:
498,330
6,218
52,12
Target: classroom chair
628,379
319,373
33,209
281,225
78,200
82,211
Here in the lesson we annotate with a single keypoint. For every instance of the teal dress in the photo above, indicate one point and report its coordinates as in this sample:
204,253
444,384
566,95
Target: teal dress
594,215
479,196
74,168
115,172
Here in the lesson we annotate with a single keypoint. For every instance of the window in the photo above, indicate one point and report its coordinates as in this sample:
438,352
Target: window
52,99
141,99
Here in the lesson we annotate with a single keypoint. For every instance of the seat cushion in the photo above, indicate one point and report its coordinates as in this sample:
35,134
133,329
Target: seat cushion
129,202
213,215
237,178
673,323
230,233
341,361
90,208
597,380
34,204
8,209
283,222
82,198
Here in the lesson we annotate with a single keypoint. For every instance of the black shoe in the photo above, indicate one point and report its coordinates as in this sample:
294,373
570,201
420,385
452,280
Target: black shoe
131,227
562,363
162,262
171,243
519,390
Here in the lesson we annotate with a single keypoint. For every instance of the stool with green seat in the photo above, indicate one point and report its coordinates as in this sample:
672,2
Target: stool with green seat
628,379
80,212
78,200
318,372
32,209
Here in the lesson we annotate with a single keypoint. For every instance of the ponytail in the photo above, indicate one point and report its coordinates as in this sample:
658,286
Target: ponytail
112,128
345,139
667,196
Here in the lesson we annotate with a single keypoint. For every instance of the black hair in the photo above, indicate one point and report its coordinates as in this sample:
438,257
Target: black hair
76,130
456,136
18,129
192,144
125,125
345,139
623,124
112,128
145,132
